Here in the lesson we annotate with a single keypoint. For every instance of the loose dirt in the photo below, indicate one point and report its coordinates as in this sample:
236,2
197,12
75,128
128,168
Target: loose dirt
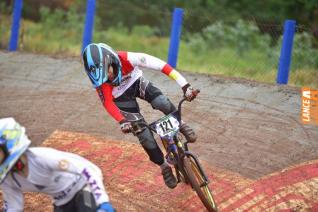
245,128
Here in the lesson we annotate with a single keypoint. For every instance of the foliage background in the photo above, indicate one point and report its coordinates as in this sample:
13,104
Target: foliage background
232,38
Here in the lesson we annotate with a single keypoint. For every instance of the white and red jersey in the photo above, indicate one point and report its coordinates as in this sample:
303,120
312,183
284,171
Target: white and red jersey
131,64
58,174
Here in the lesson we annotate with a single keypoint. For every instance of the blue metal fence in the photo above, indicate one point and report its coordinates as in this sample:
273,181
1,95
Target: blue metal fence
175,36
15,27
286,52
89,23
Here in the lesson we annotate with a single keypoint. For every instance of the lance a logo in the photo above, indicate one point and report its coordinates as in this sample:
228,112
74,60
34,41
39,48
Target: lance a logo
309,106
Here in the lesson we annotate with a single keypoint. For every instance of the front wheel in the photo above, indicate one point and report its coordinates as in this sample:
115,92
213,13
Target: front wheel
198,183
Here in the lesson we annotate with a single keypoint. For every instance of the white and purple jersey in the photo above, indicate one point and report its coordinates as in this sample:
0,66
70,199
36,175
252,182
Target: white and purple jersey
58,174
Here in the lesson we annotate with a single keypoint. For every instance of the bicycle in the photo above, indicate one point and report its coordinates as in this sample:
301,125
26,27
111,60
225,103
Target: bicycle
187,166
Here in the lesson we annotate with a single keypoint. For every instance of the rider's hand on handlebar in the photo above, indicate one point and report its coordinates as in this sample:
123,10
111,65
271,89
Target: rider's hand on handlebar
189,92
125,126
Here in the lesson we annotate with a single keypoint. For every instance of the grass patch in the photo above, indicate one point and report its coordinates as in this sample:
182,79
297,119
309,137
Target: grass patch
254,64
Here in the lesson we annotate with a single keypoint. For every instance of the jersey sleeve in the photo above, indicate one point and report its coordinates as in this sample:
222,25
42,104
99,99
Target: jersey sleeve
68,162
13,199
151,62
105,95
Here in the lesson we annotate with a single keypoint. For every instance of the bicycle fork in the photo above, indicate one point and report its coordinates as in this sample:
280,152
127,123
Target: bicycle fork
173,157
171,151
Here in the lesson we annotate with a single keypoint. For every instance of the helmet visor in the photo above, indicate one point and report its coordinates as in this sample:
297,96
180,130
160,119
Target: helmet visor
113,70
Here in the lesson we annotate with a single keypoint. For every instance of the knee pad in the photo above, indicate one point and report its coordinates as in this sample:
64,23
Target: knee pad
163,104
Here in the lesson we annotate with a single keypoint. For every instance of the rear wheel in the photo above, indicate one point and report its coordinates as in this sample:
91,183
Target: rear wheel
198,183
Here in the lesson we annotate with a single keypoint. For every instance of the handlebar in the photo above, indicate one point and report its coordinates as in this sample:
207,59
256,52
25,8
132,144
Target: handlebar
194,93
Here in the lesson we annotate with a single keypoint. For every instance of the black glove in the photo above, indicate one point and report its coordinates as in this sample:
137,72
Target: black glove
125,126
189,93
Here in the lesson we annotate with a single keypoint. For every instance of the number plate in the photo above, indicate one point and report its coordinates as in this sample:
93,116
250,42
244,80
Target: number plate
167,125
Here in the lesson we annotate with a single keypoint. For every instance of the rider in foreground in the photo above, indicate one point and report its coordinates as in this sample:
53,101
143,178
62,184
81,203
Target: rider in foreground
118,80
74,183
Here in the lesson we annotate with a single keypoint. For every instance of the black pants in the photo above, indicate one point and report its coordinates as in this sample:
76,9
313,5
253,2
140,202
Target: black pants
83,201
127,102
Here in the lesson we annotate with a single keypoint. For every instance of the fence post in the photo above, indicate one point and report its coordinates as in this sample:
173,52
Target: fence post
15,26
286,52
89,23
175,36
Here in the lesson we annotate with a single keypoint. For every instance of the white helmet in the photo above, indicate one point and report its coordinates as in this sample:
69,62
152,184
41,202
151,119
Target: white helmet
13,142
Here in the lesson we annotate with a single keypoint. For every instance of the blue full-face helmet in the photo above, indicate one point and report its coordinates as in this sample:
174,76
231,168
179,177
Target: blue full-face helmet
97,58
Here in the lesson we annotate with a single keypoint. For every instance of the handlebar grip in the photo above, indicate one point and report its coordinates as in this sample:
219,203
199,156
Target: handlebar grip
196,92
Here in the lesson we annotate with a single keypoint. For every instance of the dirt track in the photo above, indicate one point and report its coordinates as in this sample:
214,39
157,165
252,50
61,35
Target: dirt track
244,127
134,184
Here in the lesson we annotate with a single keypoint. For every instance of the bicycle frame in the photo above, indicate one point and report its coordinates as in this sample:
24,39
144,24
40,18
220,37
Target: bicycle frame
186,164
171,141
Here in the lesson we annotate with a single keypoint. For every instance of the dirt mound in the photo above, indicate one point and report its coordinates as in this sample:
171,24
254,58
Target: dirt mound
135,184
